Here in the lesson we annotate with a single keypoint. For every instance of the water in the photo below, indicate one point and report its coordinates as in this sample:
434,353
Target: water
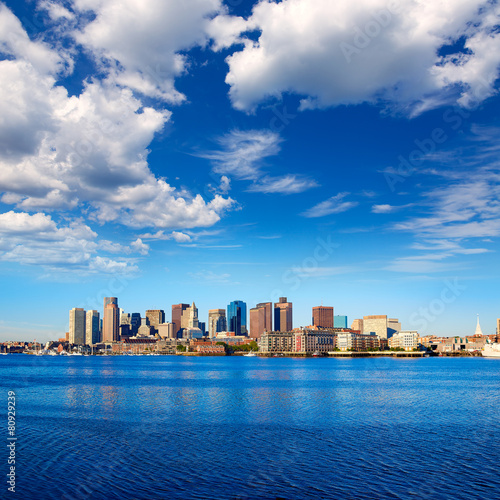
217,428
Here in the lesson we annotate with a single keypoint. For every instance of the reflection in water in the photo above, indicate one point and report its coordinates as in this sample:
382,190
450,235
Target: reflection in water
233,428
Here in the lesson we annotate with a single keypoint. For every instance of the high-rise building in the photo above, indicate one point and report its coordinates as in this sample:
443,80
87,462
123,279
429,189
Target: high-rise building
193,317
203,327
340,321
237,317
357,325
135,323
177,316
155,317
381,326
283,315
166,331
216,321
77,326
92,333
261,319
111,320
323,317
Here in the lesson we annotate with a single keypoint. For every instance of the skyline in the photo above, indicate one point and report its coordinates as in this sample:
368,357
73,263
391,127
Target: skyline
201,152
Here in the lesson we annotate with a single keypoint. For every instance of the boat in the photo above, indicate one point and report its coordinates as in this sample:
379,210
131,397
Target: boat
491,351
316,354
250,354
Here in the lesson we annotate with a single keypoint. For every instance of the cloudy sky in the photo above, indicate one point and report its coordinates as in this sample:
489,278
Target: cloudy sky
343,153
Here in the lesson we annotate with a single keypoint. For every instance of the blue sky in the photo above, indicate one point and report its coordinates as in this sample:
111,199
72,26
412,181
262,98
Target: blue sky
167,152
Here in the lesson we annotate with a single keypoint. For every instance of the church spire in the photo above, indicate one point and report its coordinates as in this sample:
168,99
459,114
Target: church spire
478,327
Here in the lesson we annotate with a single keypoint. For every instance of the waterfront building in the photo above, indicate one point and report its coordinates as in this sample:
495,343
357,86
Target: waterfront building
353,341
155,317
92,332
300,341
77,326
216,322
340,321
177,315
322,317
191,333
166,331
381,326
283,315
111,320
261,319
408,340
237,317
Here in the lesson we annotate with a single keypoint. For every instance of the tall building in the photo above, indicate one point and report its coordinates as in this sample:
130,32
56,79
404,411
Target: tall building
340,321
216,322
357,325
283,315
135,323
77,326
323,316
498,330
177,313
193,317
111,320
155,317
166,331
261,319
203,327
381,326
92,329
478,328
237,317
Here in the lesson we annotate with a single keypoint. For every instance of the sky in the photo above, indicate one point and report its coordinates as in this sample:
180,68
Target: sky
338,153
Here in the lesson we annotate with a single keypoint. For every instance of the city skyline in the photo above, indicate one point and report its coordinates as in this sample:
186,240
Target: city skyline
209,154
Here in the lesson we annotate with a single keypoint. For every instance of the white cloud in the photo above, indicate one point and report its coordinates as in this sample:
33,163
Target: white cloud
388,209
287,184
338,53
242,155
321,272
138,42
334,205
38,240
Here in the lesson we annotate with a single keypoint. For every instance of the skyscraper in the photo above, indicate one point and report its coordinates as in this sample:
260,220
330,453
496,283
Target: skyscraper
193,316
340,321
261,319
92,334
77,326
155,317
177,313
323,316
111,320
216,321
237,317
283,315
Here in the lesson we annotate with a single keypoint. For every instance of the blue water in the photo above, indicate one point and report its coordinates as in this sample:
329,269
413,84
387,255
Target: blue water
171,427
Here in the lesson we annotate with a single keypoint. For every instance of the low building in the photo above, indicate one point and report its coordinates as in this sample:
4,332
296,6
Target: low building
300,341
407,340
353,342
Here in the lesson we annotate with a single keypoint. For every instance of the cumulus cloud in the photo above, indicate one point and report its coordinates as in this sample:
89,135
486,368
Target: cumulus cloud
138,43
340,53
88,150
37,240
334,205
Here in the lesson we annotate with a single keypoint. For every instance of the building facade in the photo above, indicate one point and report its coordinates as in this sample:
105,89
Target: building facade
353,342
77,330
302,341
237,317
340,321
92,327
357,325
177,314
261,319
322,317
283,315
155,317
407,340
216,321
111,320
166,331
